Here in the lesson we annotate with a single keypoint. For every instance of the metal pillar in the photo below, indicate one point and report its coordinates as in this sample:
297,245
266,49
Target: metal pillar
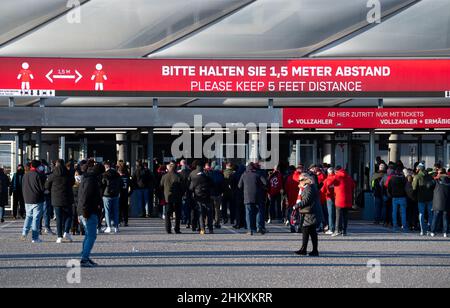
38,150
150,148
62,147
394,148
253,145
121,140
372,154
298,155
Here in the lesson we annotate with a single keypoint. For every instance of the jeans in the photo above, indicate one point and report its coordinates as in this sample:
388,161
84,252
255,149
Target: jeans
173,207
111,211
341,219
378,209
437,217
90,227
251,213
204,212
48,212
217,202
260,217
32,219
63,220
2,212
275,207
227,203
423,207
124,207
142,195
402,204
331,215
18,204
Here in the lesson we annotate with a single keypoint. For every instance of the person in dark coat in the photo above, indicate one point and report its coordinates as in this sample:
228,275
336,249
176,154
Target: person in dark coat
306,205
89,209
253,186
142,184
111,185
77,228
441,202
172,184
17,194
60,184
200,186
4,189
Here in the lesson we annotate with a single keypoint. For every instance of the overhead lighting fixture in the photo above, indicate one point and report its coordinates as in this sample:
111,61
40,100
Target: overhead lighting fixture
425,133
361,133
58,133
62,129
17,129
106,133
112,129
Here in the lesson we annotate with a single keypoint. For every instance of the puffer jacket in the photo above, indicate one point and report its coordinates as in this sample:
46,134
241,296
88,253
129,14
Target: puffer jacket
60,184
344,187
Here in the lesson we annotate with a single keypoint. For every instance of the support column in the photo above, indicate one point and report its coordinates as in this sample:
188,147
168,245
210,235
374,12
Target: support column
150,148
62,147
38,149
327,150
394,148
121,149
253,147
17,159
298,154
372,154
83,149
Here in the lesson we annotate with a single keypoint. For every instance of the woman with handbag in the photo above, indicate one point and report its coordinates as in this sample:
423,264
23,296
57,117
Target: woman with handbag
306,205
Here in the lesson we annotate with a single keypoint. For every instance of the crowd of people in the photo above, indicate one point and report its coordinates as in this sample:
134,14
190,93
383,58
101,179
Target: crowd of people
412,199
88,198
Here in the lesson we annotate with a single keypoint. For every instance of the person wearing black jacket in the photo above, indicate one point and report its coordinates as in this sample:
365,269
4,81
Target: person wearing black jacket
397,191
89,204
172,184
33,194
124,195
307,205
184,173
200,186
252,184
142,184
111,185
59,184
17,194
441,203
4,189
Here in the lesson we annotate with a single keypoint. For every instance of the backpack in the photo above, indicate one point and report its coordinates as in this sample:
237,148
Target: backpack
428,182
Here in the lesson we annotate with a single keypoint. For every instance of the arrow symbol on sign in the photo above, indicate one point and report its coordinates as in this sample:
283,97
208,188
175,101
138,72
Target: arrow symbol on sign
290,121
77,77
49,76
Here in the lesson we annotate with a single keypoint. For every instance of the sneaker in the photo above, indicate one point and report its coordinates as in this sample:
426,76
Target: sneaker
335,234
269,221
432,235
445,235
422,234
92,263
36,241
107,230
23,238
86,264
116,230
202,232
68,237
59,240
428,233
49,232
329,232
250,233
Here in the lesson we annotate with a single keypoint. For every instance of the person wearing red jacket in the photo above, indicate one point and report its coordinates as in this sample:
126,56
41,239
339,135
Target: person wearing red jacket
292,190
344,187
327,193
275,191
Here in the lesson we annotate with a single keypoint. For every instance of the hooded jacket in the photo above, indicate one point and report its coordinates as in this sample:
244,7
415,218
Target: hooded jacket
33,187
344,186
200,186
275,184
59,184
423,184
441,199
291,188
253,186
327,190
89,195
